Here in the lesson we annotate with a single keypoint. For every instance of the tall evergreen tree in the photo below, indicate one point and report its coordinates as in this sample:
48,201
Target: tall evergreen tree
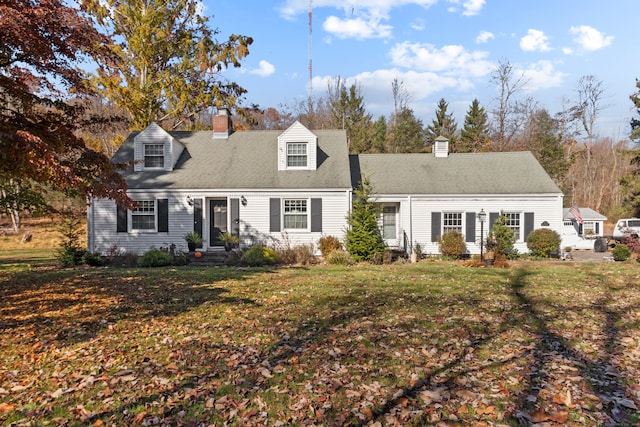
166,64
363,239
407,134
635,121
379,135
475,133
349,113
631,183
443,125
546,145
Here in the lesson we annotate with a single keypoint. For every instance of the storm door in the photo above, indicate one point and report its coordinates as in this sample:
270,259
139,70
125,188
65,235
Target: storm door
218,221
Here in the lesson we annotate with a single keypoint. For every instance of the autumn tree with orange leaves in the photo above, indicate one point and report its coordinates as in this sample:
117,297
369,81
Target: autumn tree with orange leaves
41,44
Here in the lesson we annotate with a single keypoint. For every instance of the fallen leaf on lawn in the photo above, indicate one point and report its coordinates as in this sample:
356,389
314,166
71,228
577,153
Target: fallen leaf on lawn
538,416
266,373
138,419
466,394
487,410
7,407
366,411
432,395
559,417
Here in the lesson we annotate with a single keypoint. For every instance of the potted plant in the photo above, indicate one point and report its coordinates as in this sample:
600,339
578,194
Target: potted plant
193,239
230,240
489,257
416,255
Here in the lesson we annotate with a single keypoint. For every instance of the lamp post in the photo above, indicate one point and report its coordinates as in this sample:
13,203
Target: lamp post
482,217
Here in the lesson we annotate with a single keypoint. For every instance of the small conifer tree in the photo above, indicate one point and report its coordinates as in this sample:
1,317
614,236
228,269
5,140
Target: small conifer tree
501,238
363,238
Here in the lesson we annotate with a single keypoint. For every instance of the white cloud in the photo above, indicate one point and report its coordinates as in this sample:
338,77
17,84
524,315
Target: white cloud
357,28
484,37
469,7
451,59
535,40
472,7
542,75
264,69
589,38
291,8
418,24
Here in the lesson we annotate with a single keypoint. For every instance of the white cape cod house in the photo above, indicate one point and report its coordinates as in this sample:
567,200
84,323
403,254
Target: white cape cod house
295,186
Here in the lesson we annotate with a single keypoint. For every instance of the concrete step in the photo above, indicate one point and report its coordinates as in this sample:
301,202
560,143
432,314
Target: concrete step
208,259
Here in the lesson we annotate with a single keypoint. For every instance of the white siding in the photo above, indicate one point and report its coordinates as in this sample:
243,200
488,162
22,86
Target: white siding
254,221
255,218
415,215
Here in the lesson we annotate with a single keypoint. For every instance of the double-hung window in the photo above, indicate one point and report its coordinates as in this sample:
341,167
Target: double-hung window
296,214
296,155
153,155
389,223
513,222
143,216
451,221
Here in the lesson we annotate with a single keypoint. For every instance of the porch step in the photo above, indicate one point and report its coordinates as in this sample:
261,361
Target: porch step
208,259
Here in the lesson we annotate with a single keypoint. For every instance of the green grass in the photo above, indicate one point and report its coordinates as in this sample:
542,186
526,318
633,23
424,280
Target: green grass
413,344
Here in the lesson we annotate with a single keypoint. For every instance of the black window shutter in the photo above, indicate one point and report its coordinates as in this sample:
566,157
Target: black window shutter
470,227
493,217
121,225
274,215
528,224
197,216
597,228
316,215
163,215
435,226
235,216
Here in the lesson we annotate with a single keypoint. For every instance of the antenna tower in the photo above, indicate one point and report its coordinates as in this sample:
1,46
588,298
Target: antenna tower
310,88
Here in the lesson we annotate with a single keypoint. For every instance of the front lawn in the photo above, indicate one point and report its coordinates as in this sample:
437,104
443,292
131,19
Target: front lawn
433,343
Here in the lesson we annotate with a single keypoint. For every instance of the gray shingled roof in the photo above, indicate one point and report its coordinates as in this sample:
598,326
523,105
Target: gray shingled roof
468,173
585,213
248,159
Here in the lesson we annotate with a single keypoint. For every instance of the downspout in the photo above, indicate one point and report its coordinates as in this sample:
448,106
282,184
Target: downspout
410,222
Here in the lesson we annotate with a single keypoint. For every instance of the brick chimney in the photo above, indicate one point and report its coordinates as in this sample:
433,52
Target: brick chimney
222,126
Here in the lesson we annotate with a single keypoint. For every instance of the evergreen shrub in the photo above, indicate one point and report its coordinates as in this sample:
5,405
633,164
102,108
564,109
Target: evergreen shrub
542,241
155,258
258,256
621,252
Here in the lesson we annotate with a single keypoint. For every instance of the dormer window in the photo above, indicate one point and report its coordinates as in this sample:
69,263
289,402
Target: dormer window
297,155
297,149
154,155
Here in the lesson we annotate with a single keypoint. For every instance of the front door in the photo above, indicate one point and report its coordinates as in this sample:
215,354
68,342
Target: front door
218,222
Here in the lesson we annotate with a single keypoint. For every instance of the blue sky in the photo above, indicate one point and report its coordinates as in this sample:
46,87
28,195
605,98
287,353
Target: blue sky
438,49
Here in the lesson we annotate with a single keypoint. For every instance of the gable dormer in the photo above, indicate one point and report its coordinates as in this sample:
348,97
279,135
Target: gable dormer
155,149
297,148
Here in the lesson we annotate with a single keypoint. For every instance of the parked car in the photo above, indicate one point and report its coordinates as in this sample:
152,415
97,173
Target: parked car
626,227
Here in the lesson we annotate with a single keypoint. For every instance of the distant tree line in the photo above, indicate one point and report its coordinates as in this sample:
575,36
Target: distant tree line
161,61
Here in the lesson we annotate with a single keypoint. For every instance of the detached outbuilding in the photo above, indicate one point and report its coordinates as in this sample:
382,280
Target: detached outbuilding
581,231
